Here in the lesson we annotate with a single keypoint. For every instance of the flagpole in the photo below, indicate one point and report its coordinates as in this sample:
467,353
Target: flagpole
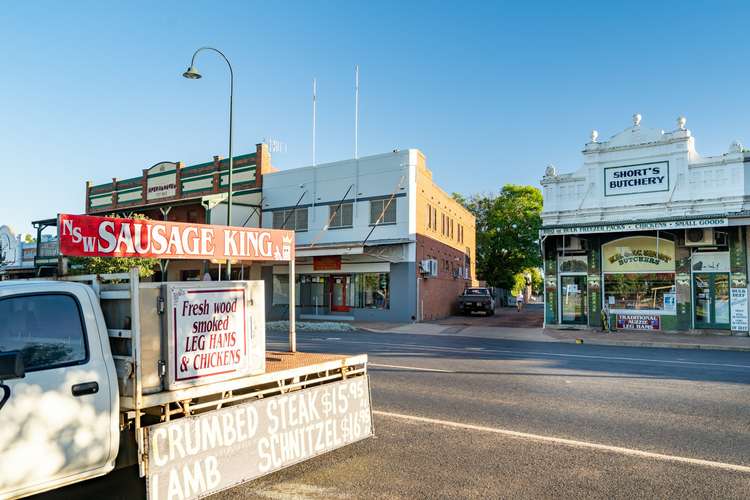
315,107
356,111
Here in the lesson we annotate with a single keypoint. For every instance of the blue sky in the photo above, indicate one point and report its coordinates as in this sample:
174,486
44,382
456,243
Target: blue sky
490,91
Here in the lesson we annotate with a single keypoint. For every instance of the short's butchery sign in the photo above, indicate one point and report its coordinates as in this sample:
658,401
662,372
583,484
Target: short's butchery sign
91,236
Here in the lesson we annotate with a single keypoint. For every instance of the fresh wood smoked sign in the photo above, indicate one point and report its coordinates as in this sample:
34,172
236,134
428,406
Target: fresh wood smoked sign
215,333
91,236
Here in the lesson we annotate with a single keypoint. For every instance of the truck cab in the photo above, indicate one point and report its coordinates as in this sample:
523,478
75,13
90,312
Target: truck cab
60,421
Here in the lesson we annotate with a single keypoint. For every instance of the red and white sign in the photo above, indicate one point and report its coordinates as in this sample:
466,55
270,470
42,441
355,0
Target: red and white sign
210,334
91,236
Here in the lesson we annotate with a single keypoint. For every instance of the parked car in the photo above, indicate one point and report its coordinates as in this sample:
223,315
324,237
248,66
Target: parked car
476,299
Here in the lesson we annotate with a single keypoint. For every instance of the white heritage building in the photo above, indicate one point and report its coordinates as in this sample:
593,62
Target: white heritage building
650,232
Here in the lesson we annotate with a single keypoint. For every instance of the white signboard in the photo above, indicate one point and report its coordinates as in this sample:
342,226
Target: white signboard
636,179
162,181
738,308
210,334
196,456
710,262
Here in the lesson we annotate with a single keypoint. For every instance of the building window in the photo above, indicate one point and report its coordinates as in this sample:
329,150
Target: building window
341,216
371,290
638,272
442,224
383,212
429,216
638,291
296,219
434,219
47,329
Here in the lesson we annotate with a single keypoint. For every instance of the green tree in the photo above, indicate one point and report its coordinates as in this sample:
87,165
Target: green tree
507,232
110,265
29,239
519,281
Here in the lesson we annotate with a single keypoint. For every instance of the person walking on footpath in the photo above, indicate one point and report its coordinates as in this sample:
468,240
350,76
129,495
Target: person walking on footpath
519,301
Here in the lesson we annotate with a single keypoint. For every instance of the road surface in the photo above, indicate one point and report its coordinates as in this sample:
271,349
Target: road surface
596,422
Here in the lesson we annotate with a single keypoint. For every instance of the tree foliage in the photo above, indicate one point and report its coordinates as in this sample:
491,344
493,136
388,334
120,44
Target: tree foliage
110,265
507,231
519,281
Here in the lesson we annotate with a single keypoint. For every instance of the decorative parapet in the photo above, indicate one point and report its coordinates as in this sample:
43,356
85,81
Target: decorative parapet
171,181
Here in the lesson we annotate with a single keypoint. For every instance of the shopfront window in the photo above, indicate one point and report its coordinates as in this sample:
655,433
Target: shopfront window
639,274
637,291
371,290
314,290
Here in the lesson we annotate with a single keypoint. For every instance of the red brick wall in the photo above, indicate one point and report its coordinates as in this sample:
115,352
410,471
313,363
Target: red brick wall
439,296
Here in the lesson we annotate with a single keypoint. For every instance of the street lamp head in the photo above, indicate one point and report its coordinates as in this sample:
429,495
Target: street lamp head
191,73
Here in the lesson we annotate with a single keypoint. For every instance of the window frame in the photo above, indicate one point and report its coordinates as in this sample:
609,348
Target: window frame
84,330
339,212
383,202
292,218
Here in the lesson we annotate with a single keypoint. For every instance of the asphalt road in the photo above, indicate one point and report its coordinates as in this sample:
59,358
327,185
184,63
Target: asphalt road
686,405
639,423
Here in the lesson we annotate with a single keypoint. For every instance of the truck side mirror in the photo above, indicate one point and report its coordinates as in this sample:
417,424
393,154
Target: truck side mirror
11,365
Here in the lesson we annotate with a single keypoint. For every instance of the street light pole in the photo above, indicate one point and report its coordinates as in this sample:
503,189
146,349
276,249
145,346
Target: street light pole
193,74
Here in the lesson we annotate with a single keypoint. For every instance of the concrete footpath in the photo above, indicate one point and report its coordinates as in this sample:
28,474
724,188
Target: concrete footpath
619,338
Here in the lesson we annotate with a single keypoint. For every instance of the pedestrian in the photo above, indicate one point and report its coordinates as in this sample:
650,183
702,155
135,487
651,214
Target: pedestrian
519,301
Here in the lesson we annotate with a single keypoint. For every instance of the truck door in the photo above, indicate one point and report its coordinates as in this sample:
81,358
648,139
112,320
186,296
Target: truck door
56,427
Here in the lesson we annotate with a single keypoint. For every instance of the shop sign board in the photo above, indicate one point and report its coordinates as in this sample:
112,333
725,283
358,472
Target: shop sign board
711,262
195,456
211,333
91,236
636,179
161,181
739,310
621,227
638,322
327,262
638,254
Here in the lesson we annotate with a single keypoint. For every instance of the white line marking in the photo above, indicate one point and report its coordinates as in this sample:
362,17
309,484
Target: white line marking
411,368
554,354
571,442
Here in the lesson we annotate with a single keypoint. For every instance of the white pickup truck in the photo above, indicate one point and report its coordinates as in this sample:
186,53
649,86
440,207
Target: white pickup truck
107,371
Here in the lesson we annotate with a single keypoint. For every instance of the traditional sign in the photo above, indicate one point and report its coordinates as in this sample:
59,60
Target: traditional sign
196,456
622,227
327,263
638,254
638,322
710,262
161,181
210,334
738,309
636,179
90,236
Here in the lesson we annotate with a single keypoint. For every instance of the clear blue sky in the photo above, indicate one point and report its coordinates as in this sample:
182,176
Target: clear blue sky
490,91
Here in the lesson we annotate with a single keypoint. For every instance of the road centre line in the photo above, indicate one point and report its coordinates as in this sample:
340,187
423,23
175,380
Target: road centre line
380,365
540,353
571,442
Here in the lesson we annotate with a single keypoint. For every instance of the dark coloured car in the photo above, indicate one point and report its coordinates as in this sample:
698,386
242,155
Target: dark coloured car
476,299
